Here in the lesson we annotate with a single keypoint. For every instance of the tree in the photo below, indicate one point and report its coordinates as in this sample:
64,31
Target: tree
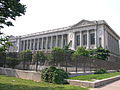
100,53
26,56
4,43
9,10
39,57
81,51
12,59
57,54
67,53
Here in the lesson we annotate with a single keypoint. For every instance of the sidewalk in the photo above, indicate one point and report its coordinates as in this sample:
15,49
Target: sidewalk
112,86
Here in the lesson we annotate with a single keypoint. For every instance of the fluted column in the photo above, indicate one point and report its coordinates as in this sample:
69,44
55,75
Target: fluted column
27,45
51,42
46,44
38,44
56,41
23,45
61,41
34,44
95,38
88,40
42,44
81,39
30,44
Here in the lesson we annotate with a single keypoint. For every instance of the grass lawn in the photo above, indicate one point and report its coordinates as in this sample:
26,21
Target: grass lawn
12,83
94,77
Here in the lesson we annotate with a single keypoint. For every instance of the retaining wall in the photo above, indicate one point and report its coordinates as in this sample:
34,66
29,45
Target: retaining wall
30,75
93,84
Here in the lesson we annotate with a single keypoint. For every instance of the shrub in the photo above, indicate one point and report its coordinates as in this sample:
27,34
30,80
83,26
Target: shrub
54,75
12,62
100,71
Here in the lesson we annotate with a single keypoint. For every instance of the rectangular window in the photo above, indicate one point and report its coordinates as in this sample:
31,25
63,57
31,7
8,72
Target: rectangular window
22,46
100,42
85,39
32,44
25,44
78,40
49,42
92,38
64,40
54,41
28,44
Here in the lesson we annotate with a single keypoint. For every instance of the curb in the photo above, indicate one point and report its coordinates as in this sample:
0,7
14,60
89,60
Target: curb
93,84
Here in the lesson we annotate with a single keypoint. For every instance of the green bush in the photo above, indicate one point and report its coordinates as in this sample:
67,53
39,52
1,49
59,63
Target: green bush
54,75
100,71
12,62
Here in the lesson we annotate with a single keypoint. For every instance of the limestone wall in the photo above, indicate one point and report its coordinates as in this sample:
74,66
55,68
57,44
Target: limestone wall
30,75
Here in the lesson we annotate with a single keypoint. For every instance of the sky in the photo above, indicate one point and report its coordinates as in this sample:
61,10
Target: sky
42,15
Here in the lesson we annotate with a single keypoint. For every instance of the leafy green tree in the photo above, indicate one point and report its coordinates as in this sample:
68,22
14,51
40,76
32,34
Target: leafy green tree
39,57
57,54
26,56
100,53
9,10
12,59
4,43
67,53
81,51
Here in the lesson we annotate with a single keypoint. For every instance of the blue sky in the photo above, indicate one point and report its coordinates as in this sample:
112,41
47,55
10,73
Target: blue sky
44,15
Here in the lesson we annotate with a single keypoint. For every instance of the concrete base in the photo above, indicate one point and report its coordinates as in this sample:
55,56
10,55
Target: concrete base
93,84
30,75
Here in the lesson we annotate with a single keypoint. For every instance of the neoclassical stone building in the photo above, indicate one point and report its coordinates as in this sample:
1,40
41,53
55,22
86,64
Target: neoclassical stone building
89,34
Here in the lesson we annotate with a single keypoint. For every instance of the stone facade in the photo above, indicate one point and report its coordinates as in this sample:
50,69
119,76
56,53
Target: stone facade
89,34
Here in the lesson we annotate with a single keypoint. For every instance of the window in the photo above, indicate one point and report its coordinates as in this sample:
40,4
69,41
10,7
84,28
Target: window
32,44
49,43
100,42
92,38
77,40
22,46
85,39
54,41
28,44
40,43
64,40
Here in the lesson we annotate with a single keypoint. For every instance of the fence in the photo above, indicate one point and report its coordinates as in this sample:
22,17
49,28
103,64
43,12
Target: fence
78,64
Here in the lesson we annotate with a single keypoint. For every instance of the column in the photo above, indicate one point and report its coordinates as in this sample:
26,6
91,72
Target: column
88,40
51,41
23,45
80,38
95,38
62,41
57,41
38,44
27,45
34,45
46,43
30,44
42,44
